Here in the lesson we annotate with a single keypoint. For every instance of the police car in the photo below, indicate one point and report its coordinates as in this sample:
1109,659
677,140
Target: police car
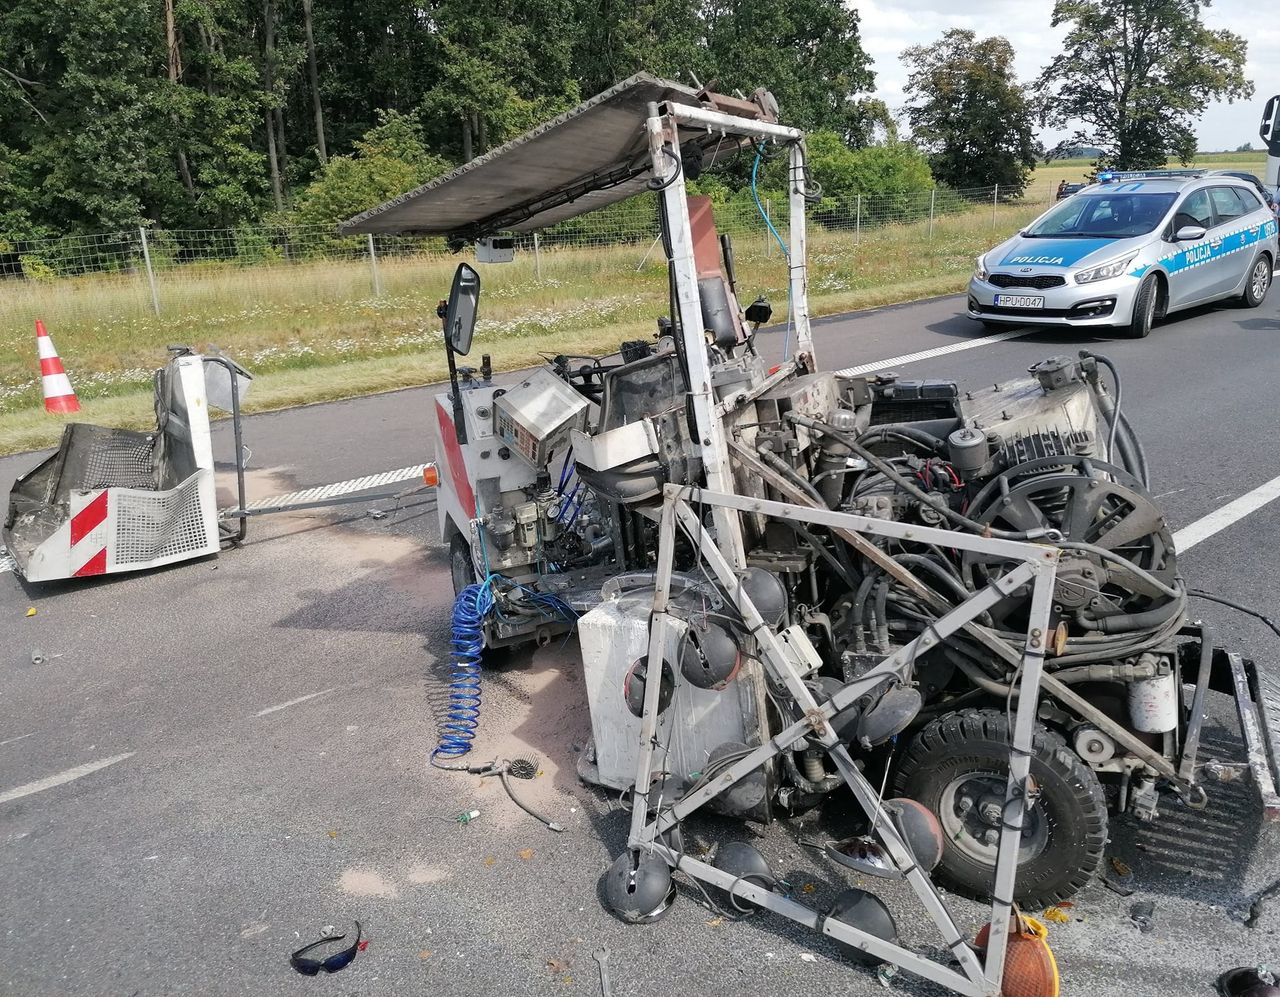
1128,250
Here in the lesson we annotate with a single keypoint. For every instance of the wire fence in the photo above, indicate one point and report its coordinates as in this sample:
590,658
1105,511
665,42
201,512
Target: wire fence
161,261
281,296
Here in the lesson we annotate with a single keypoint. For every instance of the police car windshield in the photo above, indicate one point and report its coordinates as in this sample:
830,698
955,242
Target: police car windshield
1103,215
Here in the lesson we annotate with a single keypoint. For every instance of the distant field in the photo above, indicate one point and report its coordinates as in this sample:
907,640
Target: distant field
1075,170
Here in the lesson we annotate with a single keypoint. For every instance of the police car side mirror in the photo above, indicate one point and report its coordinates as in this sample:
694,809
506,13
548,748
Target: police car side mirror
1190,233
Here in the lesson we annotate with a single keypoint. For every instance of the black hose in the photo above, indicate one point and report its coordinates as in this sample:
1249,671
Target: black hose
1199,594
859,605
1115,376
882,615
790,473
1130,622
1139,452
907,434
908,486
821,549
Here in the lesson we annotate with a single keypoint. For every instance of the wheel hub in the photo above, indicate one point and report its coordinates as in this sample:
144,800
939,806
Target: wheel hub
971,815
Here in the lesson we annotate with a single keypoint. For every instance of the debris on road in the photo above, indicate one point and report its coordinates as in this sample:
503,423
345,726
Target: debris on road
1142,914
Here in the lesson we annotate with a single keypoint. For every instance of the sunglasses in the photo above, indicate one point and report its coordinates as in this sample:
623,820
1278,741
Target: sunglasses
308,966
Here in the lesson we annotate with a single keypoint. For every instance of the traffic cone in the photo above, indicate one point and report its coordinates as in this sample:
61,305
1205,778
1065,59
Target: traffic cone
58,393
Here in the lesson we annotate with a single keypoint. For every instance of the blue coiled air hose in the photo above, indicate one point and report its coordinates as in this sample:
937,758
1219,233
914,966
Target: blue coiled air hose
462,717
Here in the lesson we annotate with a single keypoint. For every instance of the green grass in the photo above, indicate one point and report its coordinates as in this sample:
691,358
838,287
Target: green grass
315,332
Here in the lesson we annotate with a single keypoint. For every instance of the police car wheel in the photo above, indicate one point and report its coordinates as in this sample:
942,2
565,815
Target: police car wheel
1144,310
1259,282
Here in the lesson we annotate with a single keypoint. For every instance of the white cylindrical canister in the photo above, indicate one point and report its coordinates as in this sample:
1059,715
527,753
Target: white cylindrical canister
1153,704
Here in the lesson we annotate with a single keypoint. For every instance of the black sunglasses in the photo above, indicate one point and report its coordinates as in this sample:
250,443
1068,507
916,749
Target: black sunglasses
307,966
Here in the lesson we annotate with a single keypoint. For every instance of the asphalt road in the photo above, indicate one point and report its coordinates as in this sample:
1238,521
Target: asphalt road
235,823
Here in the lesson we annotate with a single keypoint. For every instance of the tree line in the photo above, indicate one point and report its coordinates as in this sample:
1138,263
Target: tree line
217,113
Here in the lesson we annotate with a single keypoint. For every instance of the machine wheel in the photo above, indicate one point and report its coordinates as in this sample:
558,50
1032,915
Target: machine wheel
460,562
957,766
1144,310
1259,282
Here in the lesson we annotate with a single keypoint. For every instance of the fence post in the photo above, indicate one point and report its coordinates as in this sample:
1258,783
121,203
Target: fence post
537,257
373,268
857,229
995,199
151,277
933,200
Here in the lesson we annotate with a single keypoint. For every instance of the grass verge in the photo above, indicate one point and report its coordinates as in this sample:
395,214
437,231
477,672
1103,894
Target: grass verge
32,429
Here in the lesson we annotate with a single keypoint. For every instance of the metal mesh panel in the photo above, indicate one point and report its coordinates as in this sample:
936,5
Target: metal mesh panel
163,524
117,458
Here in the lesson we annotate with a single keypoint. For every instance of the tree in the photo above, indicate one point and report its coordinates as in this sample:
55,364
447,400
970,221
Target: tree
1138,74
968,112
391,158
808,52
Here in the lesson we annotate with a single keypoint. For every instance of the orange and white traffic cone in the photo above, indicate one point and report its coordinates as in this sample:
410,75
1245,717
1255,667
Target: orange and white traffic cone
58,393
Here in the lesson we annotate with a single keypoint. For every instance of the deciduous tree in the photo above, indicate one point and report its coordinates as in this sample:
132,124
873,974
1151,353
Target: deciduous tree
1138,74
968,112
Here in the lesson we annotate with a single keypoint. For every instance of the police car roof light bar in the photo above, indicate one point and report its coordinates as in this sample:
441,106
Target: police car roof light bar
1110,176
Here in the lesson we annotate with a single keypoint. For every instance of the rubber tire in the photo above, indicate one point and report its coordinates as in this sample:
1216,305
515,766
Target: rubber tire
1071,800
1247,298
460,567
1144,310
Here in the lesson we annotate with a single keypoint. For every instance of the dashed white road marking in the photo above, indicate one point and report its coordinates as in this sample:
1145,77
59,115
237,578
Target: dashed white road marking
70,775
21,737
938,351
293,702
1218,520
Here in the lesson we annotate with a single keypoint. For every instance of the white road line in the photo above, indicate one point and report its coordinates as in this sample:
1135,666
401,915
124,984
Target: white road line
338,488
1220,519
293,702
70,775
22,737
7,563
938,351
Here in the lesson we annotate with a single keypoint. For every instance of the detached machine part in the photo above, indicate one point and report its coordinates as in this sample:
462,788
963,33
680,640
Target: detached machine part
113,500
795,587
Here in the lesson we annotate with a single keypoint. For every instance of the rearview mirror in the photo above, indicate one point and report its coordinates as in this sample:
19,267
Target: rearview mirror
460,315
1190,233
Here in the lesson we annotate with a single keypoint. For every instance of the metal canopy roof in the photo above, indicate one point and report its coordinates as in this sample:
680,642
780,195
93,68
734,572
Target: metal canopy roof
593,155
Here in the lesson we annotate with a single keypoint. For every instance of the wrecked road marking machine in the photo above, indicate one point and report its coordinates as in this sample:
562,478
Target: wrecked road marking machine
115,500
959,613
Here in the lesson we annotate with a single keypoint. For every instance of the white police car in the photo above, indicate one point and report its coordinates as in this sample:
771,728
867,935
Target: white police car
1128,250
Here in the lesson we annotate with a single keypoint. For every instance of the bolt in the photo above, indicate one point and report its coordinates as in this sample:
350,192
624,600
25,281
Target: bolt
991,813
965,805
991,837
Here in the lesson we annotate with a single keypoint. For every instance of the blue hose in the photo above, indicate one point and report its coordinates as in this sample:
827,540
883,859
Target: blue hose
786,253
470,608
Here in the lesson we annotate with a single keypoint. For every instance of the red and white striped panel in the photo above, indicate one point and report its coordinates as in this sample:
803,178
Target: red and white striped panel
90,532
59,396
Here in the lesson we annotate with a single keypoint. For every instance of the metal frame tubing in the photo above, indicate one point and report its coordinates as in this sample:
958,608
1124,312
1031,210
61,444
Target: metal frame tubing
664,148
1036,565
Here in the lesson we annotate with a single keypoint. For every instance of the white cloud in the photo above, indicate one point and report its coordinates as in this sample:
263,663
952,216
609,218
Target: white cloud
889,26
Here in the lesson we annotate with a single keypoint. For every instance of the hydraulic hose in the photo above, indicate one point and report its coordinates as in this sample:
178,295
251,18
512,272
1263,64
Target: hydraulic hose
1115,376
789,472
1131,622
908,486
909,434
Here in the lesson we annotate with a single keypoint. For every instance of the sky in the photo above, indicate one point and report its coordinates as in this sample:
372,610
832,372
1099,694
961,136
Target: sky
889,26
